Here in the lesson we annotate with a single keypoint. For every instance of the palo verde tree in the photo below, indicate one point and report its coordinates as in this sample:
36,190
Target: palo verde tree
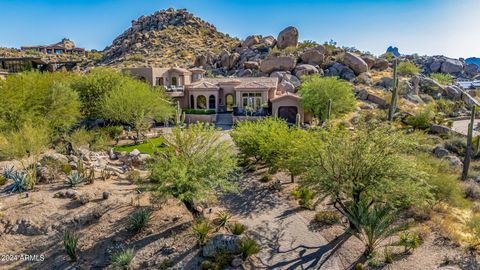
196,162
136,104
317,94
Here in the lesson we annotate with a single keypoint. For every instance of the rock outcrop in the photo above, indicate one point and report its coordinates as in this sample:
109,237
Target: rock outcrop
288,37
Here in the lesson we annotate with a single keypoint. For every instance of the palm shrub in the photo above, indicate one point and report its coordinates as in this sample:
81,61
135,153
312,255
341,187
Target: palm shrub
236,228
139,219
222,219
201,230
122,259
70,241
74,179
373,223
249,247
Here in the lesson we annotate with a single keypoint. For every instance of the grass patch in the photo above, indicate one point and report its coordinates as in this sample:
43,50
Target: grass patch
150,146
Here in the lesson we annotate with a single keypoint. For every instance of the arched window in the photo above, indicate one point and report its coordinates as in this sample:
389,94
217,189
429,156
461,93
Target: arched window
211,102
201,102
174,81
192,102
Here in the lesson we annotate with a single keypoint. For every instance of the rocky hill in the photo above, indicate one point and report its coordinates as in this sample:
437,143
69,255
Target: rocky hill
166,38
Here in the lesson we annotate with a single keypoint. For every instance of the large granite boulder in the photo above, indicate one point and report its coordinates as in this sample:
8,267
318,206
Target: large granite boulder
229,60
282,63
286,86
369,59
355,63
305,69
380,64
451,66
313,57
250,65
251,40
287,37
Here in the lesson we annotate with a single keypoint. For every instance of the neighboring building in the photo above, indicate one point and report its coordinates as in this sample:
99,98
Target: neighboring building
19,64
65,46
242,96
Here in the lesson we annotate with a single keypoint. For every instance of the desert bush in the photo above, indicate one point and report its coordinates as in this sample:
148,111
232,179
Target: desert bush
74,179
442,78
422,118
456,145
236,228
201,231
222,219
315,93
305,197
249,247
388,256
134,176
327,217
407,68
122,259
409,241
474,227
3,180
136,57
266,177
388,56
139,219
70,241
307,44
165,264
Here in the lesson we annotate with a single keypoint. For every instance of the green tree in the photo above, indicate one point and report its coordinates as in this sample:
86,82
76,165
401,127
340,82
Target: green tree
137,105
315,93
369,164
196,162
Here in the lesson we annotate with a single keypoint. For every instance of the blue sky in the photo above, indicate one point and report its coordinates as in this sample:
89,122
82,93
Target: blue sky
430,27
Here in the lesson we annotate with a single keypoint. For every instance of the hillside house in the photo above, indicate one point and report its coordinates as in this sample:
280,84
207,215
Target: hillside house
242,96
65,46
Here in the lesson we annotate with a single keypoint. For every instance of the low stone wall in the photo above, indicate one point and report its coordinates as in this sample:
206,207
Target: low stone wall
194,118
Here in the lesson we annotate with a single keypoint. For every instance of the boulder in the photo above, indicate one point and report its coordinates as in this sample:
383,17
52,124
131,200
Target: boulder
362,94
454,161
250,41
471,69
292,79
250,65
380,64
312,57
225,242
282,63
377,100
440,152
365,78
106,195
269,41
355,63
369,59
287,37
134,153
286,86
451,66
435,65
454,92
348,75
229,60
305,69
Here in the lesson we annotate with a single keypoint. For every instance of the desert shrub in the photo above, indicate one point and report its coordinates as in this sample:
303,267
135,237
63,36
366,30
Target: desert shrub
236,228
445,106
222,259
388,256
360,266
122,259
290,50
134,176
136,57
249,247
74,179
222,218
456,145
266,177
407,68
422,118
327,217
442,78
70,240
409,241
3,180
307,44
315,93
66,169
387,56
165,264
305,197
474,227
201,231
139,219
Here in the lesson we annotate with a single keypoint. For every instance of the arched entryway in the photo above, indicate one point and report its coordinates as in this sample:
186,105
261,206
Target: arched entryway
288,113
201,102
229,102
174,81
192,102
211,102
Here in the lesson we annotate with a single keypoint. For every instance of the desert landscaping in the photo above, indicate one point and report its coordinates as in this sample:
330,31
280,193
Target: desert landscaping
181,147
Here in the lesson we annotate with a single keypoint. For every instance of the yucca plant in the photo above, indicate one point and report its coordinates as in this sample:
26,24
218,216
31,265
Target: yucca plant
74,179
70,241
139,220
236,228
20,182
122,259
249,247
201,230
222,219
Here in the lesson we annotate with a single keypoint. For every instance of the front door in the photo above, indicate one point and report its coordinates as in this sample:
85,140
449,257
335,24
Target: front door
288,113
229,102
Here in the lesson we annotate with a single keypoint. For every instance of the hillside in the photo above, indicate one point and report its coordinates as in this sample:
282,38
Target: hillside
166,38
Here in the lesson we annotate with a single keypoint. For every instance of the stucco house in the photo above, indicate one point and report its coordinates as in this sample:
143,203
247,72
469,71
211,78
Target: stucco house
242,96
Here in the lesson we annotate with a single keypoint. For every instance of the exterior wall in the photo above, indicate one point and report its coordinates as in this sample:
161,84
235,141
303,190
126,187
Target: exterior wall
194,118
206,93
239,92
289,101
145,73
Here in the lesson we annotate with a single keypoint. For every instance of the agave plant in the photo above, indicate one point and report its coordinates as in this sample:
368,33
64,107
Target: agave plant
20,182
74,179
8,172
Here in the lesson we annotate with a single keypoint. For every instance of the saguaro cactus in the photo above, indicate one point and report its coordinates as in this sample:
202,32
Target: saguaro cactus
468,150
393,102
297,120
329,109
179,115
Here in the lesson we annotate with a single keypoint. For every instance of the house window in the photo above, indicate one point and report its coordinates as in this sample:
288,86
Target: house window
201,102
174,81
159,80
252,100
211,102
196,76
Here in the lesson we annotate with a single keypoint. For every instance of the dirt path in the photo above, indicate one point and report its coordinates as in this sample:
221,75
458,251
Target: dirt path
285,237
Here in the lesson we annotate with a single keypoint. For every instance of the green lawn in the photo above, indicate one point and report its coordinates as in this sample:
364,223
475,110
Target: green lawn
149,146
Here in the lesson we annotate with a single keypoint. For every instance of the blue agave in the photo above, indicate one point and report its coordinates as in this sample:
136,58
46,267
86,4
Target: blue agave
74,179
8,173
20,182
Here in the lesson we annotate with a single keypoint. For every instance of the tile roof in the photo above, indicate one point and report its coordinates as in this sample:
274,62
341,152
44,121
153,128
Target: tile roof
245,82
